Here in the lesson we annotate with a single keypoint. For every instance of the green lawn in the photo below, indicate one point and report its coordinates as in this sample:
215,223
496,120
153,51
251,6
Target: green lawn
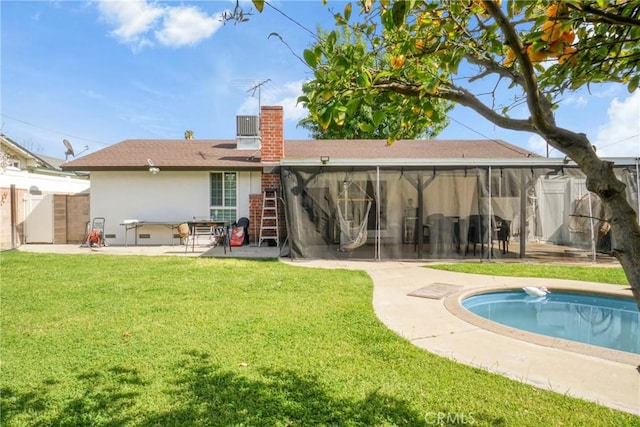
171,341
612,275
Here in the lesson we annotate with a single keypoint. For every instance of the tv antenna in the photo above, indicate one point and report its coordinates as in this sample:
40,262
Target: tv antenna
70,151
257,87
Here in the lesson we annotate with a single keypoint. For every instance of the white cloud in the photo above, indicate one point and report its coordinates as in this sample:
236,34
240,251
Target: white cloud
579,101
132,19
288,99
175,26
620,136
284,95
186,26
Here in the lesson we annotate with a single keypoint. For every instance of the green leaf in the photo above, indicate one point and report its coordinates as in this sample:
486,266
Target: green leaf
352,106
258,4
383,74
343,62
633,83
366,127
364,78
310,58
331,38
398,12
339,115
325,118
378,116
347,11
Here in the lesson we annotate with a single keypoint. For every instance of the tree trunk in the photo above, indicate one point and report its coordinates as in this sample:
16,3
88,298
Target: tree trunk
623,219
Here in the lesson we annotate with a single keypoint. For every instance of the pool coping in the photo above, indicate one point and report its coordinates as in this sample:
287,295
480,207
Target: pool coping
453,303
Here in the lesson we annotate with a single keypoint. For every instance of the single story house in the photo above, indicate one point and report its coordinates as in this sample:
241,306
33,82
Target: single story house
351,199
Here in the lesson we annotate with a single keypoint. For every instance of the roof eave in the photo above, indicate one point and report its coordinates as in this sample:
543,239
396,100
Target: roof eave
256,166
452,162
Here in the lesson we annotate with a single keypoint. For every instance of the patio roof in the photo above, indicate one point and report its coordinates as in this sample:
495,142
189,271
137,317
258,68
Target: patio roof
403,149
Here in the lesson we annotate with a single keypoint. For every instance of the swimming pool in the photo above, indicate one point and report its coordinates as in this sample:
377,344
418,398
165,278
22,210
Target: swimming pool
591,319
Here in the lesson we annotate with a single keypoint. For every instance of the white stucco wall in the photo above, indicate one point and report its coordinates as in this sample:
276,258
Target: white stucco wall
41,183
164,197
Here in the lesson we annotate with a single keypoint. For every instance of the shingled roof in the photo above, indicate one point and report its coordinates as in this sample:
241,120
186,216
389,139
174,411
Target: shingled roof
168,154
181,154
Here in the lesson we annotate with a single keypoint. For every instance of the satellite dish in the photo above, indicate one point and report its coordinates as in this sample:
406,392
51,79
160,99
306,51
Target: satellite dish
69,148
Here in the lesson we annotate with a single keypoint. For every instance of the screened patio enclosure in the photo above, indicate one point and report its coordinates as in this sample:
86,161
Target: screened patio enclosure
446,210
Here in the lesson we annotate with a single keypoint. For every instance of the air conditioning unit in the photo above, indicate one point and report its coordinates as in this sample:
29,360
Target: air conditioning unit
248,125
248,133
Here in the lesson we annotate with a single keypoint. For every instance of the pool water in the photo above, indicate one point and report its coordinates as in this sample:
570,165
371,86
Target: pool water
597,320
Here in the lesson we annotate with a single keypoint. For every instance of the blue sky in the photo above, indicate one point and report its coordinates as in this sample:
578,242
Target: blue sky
99,72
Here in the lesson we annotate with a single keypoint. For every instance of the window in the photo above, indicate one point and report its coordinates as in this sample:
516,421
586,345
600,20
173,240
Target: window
224,197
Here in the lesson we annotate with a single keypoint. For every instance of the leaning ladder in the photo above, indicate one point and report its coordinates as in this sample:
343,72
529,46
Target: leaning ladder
269,220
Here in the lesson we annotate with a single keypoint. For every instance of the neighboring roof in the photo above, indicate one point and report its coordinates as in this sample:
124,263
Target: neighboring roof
181,154
55,162
14,149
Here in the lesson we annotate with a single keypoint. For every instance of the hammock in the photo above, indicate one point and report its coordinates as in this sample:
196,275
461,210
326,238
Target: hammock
353,230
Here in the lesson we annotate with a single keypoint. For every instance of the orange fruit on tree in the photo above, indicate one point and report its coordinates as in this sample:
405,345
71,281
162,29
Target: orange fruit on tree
551,31
397,61
556,48
536,56
510,58
568,36
568,55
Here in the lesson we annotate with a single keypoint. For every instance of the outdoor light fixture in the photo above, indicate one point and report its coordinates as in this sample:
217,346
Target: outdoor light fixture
324,159
154,170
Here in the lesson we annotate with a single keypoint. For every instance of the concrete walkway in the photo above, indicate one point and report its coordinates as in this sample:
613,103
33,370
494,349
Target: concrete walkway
441,326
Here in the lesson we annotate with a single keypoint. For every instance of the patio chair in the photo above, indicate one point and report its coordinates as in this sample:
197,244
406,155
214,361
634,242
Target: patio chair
198,232
504,233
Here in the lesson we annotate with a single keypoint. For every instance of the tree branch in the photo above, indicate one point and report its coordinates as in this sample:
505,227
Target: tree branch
460,96
609,18
539,107
493,68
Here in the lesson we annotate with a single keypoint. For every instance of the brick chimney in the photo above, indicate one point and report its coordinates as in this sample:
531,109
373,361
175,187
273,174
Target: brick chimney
272,133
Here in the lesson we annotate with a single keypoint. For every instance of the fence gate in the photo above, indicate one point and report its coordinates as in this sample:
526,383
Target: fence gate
38,218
